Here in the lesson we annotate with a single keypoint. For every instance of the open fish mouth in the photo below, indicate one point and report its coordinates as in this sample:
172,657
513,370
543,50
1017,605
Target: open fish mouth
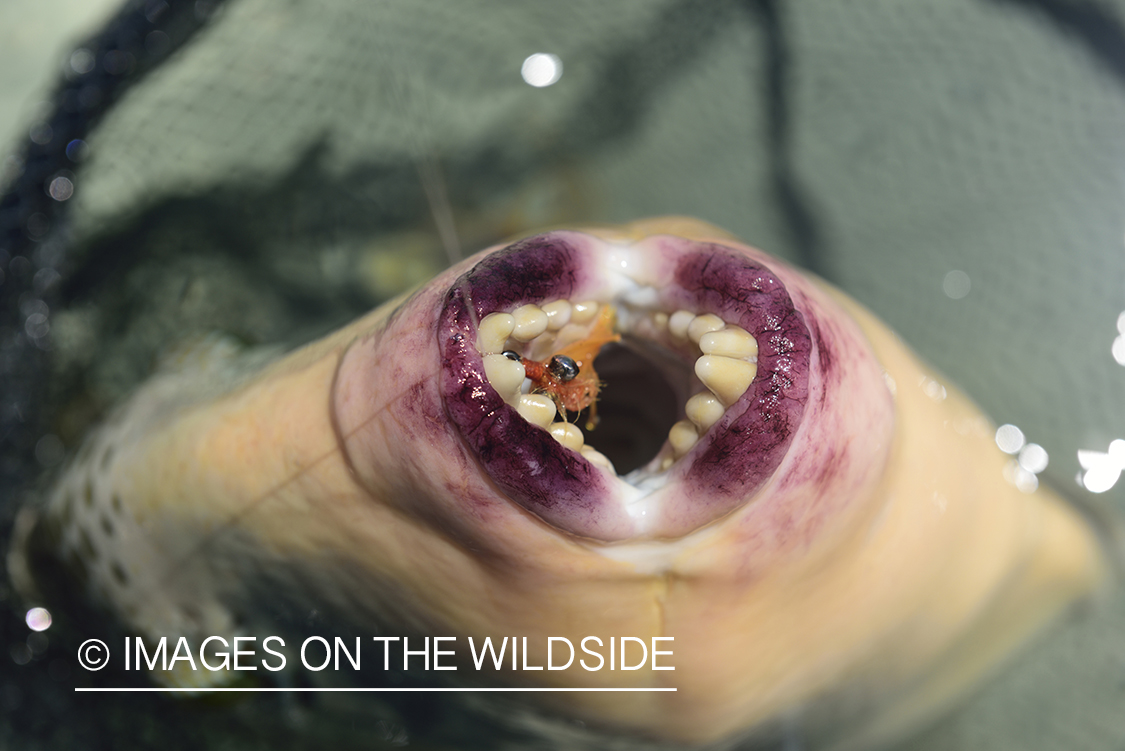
718,323
727,373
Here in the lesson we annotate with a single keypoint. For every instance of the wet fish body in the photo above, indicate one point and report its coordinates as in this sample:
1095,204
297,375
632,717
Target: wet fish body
825,532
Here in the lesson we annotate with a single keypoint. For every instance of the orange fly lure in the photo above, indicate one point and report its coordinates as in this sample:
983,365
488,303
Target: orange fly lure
568,377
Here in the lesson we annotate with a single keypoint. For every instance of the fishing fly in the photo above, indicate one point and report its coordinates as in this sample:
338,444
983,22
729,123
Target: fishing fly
568,376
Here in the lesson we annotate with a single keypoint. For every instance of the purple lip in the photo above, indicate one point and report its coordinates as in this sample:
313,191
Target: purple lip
729,464
535,471
746,451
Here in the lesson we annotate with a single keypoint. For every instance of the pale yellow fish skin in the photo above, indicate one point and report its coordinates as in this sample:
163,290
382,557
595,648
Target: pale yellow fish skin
911,596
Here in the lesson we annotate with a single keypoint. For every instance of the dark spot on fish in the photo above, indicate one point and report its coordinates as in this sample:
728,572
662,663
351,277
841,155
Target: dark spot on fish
107,526
433,422
830,466
825,353
116,503
88,493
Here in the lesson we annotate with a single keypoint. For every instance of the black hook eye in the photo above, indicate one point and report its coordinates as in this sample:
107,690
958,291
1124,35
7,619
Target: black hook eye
563,368
511,355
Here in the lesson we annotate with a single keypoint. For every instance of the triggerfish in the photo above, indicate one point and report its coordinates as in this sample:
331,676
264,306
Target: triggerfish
652,431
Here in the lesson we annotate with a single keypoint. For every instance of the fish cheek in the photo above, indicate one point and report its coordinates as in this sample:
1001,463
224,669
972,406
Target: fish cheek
396,435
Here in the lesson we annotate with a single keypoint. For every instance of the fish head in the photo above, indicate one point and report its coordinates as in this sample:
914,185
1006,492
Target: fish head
790,545
815,521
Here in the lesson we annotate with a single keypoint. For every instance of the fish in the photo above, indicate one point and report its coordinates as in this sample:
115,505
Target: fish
808,524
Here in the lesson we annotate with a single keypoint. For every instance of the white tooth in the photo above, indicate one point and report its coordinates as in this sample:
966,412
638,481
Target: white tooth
506,376
537,409
568,435
594,456
703,324
678,323
584,312
727,378
682,436
494,331
666,463
558,314
660,318
531,321
730,342
704,409
569,334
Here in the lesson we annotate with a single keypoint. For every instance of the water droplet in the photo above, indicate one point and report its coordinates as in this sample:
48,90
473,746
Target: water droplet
76,150
541,69
1033,458
1118,349
82,61
40,133
956,284
38,619
61,188
20,652
1009,438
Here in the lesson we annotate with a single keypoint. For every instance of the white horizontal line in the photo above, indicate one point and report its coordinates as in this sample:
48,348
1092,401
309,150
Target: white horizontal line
363,690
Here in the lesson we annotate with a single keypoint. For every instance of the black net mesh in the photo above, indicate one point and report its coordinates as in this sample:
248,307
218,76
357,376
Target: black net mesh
272,170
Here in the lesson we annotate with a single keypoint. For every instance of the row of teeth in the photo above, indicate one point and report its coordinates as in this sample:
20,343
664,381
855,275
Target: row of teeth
726,367
529,321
